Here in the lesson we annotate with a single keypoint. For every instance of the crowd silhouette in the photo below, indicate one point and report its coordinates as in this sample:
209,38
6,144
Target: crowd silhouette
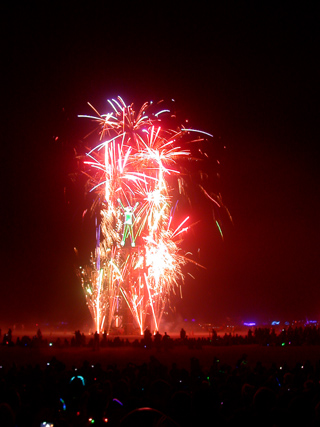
154,394
295,336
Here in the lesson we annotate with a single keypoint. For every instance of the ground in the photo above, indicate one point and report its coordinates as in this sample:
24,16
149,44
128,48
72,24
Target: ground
180,355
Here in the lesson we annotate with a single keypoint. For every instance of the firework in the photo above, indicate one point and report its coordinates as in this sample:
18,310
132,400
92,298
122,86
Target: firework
134,172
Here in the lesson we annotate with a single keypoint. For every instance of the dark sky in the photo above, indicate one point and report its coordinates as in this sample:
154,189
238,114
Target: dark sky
247,73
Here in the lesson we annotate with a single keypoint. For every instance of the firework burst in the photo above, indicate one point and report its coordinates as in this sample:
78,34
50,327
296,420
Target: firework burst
134,171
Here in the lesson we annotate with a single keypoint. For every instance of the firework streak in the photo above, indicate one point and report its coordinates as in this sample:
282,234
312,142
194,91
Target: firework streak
134,173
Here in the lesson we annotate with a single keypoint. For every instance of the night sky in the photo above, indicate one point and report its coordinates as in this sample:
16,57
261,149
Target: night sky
247,73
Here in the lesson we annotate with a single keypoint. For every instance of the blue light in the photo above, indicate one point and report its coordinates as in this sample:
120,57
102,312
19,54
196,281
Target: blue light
63,404
80,377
